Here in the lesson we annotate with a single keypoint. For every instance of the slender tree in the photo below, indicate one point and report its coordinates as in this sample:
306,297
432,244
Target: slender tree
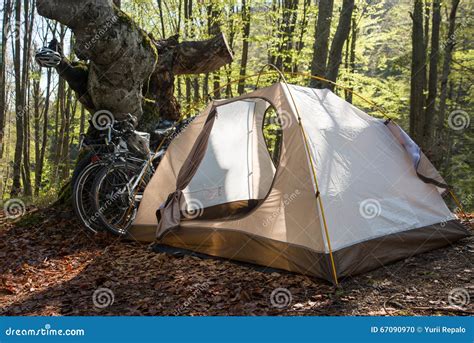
19,102
417,72
351,56
27,41
341,35
245,45
44,140
448,51
433,77
321,42
7,11
303,30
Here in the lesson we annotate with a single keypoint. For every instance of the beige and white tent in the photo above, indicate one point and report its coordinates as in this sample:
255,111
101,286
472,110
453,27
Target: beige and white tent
347,193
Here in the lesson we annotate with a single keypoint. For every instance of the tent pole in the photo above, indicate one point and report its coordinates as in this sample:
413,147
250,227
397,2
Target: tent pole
320,202
458,204
313,169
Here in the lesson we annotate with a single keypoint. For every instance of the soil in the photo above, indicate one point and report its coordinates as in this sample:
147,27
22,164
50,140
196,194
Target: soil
50,266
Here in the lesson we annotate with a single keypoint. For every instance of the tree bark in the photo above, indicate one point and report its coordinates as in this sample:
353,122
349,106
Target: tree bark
321,42
160,7
19,104
27,39
304,29
7,10
199,57
228,89
426,39
44,141
37,131
214,22
113,43
433,78
341,35
245,45
285,34
82,121
417,71
448,51
352,56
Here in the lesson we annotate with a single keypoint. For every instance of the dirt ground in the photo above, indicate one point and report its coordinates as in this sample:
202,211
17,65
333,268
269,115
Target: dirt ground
50,266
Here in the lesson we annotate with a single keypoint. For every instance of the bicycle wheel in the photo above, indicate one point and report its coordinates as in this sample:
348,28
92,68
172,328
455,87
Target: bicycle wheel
114,198
81,165
83,201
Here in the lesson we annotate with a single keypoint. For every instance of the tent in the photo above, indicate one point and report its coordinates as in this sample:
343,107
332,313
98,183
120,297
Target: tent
346,193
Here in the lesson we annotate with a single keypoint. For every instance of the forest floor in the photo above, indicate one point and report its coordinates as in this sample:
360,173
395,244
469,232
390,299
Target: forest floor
50,266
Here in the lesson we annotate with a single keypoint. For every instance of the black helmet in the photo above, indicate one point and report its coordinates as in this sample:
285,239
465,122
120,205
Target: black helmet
47,57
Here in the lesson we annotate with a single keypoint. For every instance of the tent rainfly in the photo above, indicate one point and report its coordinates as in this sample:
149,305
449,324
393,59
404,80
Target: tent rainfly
342,192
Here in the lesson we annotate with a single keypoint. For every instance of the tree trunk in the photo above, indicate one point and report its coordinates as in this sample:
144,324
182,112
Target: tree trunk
321,42
228,89
44,141
27,39
304,29
115,79
352,57
426,39
245,45
433,79
417,71
7,10
37,131
19,103
448,51
160,7
342,32
285,33
64,150
82,121
214,23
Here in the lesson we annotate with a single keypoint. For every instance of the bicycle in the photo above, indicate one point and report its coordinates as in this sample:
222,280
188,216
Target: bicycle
118,189
101,152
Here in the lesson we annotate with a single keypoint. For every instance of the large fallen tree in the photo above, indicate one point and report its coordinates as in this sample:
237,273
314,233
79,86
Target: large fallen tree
123,68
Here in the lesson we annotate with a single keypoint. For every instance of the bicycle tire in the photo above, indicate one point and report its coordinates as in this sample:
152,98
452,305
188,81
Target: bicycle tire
116,209
83,202
81,165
